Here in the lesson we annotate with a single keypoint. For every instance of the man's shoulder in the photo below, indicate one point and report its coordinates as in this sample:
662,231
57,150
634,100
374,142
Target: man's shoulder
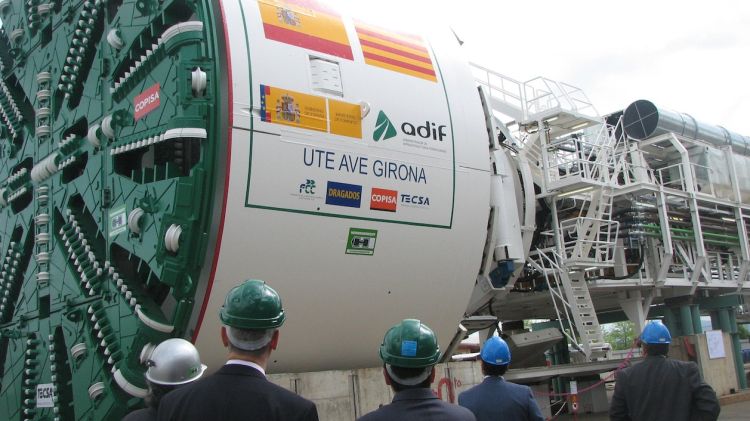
457,412
687,365
450,411
145,414
385,412
518,387
471,392
285,394
216,384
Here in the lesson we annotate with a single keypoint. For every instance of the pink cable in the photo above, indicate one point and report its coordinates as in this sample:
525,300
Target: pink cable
622,365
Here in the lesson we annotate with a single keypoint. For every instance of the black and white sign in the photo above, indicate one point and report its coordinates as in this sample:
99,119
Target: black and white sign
44,395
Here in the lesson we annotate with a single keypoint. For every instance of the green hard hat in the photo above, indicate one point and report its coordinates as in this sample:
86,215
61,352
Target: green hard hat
410,344
252,305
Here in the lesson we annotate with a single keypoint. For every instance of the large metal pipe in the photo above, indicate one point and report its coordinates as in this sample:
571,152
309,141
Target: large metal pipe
643,120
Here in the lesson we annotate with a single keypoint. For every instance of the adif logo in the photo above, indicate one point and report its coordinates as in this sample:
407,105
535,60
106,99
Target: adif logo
384,129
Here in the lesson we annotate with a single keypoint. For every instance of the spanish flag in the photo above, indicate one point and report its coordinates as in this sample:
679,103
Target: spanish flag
396,51
307,24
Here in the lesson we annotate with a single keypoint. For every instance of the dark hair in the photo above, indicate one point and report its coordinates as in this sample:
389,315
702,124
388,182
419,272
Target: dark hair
155,393
494,370
408,373
656,349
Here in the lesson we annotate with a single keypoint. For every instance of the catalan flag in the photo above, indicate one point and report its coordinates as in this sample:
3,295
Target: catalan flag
307,24
396,51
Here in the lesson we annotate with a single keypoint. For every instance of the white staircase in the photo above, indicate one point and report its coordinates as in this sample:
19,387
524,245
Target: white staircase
571,153
589,241
583,329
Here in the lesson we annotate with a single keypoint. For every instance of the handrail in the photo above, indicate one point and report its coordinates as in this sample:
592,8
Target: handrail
596,232
534,96
556,267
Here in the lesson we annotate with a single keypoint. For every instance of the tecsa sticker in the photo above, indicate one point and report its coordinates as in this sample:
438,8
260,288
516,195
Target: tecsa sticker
45,395
147,101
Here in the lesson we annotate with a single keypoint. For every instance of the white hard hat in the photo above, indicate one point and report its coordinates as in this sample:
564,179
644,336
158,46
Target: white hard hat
174,362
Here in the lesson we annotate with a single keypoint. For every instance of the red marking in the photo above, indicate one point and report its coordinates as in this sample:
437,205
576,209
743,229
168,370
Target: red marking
396,51
310,42
228,161
146,102
365,25
449,386
397,63
385,37
314,5
383,199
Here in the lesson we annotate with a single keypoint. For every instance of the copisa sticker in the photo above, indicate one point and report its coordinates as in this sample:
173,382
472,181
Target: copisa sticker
383,199
146,102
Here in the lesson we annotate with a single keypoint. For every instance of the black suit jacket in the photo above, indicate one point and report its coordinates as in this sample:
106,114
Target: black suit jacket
145,414
235,392
419,405
660,388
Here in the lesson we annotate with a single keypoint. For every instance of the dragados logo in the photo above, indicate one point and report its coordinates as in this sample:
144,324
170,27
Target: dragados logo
342,194
383,199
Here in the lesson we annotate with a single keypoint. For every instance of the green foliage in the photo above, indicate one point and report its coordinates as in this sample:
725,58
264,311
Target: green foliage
743,331
620,335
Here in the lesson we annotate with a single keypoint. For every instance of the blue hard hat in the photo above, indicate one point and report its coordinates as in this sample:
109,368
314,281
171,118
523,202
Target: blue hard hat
656,333
495,351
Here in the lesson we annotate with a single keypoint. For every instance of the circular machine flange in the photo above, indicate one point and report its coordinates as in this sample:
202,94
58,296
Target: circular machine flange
98,126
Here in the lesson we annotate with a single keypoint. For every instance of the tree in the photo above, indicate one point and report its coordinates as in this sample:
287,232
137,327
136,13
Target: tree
743,331
620,335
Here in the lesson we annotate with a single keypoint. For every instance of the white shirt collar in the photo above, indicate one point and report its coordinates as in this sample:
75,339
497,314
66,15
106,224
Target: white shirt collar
248,364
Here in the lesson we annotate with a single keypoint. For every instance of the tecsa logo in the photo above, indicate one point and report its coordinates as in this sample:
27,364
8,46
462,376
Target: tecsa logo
415,200
383,199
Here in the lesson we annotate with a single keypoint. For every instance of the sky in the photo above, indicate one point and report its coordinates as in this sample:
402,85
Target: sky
688,56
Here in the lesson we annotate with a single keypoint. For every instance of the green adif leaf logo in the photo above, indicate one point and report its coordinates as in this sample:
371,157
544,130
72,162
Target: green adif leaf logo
383,128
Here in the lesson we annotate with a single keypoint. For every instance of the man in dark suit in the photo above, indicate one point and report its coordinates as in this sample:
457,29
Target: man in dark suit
251,314
660,388
409,352
494,398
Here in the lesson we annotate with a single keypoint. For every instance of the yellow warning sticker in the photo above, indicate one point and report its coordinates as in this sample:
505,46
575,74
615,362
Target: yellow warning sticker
346,118
292,108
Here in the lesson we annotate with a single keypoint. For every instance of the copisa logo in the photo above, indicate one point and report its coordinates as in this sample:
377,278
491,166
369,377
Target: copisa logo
342,194
414,200
384,129
383,199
